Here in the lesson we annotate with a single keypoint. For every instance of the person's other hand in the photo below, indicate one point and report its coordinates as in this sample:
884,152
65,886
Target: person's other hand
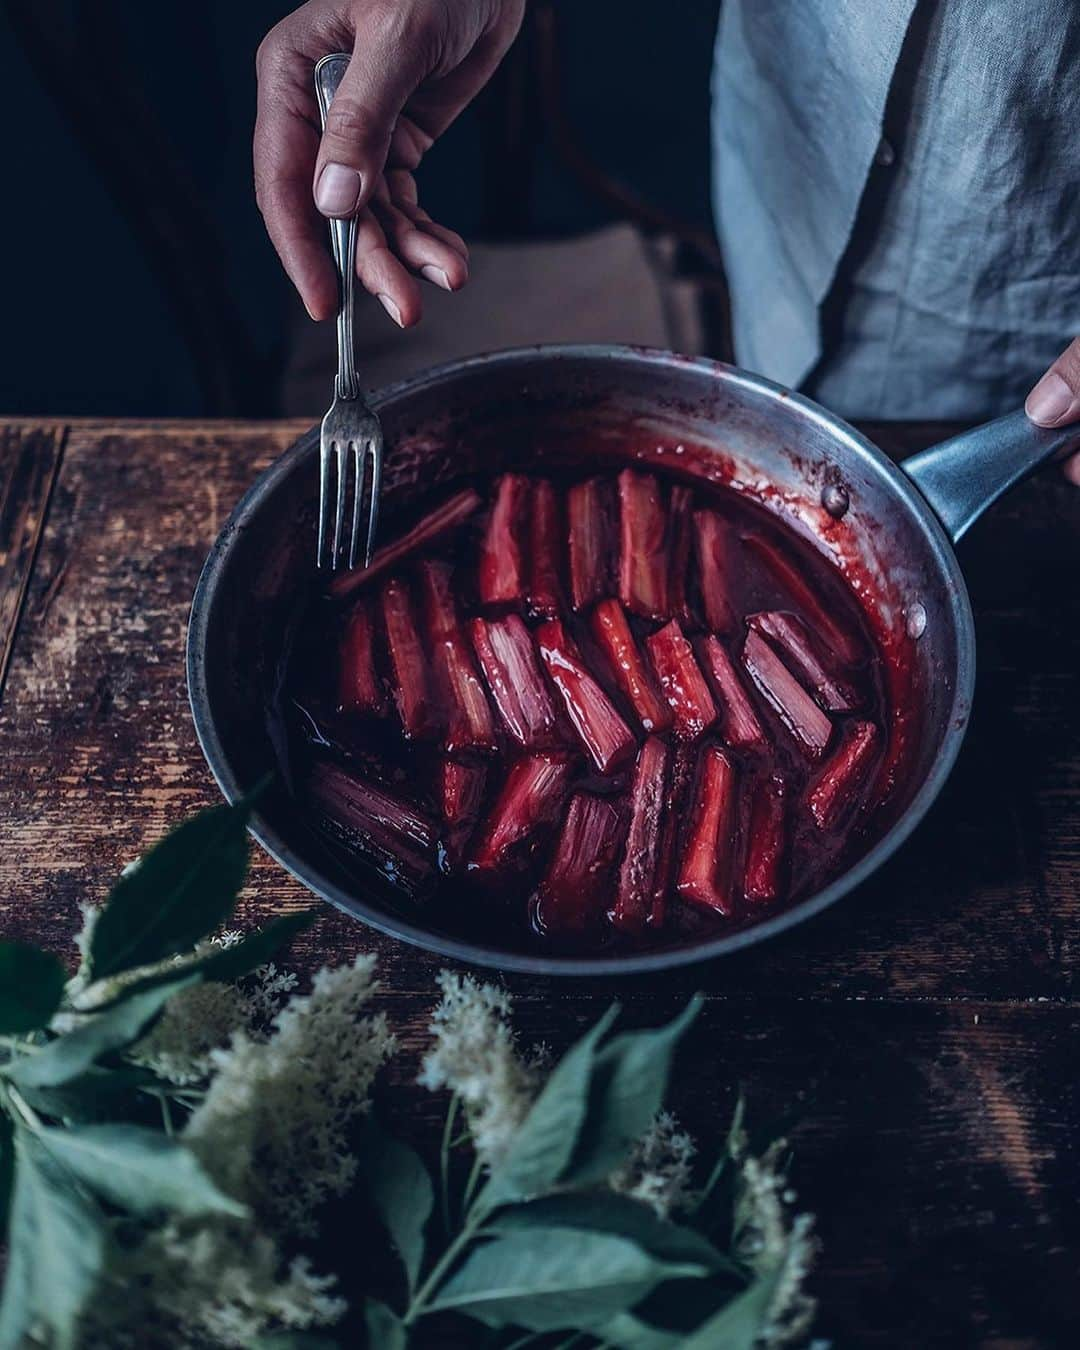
415,64
1055,400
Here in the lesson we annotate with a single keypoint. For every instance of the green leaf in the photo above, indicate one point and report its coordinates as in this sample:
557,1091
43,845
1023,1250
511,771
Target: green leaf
58,1239
401,1191
96,1095
548,1279
177,893
629,1332
138,1170
543,1143
627,1091
385,1330
293,1340
605,1212
739,1324
70,1056
31,986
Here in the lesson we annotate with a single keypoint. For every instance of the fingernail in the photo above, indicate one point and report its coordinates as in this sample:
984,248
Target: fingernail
391,309
436,276
337,190
1050,400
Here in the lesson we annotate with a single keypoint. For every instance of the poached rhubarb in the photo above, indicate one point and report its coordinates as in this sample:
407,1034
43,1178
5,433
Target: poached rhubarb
508,660
766,845
360,689
681,681
739,722
573,895
790,636
681,542
641,856
529,803
834,633
705,870
601,730
715,546
808,725
833,792
411,686
589,531
627,666
392,833
667,859
500,567
544,589
425,533
643,554
469,721
461,790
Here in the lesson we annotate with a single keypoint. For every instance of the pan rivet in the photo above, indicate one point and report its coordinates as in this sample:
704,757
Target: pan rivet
835,500
916,620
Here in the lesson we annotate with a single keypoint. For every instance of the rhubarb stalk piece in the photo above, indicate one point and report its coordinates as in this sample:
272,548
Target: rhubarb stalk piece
589,530
681,541
398,838
544,588
461,790
667,860
601,730
681,682
641,857
500,571
411,685
627,666
714,544
573,895
835,634
528,804
802,717
739,722
643,553
509,663
360,688
705,871
470,724
833,792
452,513
766,848
790,636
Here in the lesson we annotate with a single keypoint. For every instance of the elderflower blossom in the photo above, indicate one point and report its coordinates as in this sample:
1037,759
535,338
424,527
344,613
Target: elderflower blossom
474,1055
292,1096
771,1244
196,1021
659,1168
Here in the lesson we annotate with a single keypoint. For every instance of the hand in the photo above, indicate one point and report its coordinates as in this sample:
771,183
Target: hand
415,65
1055,400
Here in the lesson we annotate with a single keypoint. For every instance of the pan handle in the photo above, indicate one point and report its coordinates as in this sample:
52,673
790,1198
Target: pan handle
964,475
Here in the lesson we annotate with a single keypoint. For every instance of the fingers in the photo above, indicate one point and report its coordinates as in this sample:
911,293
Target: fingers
284,149
381,273
438,256
1055,400
391,55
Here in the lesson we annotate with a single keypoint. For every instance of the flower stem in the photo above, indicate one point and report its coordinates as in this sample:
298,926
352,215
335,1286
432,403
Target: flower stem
444,1160
418,1303
471,1185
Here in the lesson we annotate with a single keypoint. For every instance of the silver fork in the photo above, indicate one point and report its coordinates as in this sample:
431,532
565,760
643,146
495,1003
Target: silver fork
350,430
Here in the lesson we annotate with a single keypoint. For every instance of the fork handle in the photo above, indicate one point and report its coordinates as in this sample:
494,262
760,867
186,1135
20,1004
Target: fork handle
328,75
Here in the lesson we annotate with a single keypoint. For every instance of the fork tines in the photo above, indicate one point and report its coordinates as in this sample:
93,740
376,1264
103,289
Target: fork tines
364,454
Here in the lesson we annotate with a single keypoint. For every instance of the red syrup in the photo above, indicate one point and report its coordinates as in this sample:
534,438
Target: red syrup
601,713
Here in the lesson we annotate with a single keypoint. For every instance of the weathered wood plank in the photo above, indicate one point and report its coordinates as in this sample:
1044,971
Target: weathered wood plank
29,461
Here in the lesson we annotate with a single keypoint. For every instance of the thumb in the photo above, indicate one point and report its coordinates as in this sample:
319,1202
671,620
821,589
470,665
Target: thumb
1055,400
383,73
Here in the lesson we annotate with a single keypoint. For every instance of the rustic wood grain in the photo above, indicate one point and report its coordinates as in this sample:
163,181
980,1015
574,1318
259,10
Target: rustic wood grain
924,1034
29,460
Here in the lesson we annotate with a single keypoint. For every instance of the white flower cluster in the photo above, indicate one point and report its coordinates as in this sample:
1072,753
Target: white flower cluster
475,1056
771,1243
292,1094
658,1170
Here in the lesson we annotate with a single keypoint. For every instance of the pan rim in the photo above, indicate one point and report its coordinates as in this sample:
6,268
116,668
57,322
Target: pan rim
647,962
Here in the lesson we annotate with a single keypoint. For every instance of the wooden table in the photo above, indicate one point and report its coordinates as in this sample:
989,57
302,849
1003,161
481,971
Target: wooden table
924,1035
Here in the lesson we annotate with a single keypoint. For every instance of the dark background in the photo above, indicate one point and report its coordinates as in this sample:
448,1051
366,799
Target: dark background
139,281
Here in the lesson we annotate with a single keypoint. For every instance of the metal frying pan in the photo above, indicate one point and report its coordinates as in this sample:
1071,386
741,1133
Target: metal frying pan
890,529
